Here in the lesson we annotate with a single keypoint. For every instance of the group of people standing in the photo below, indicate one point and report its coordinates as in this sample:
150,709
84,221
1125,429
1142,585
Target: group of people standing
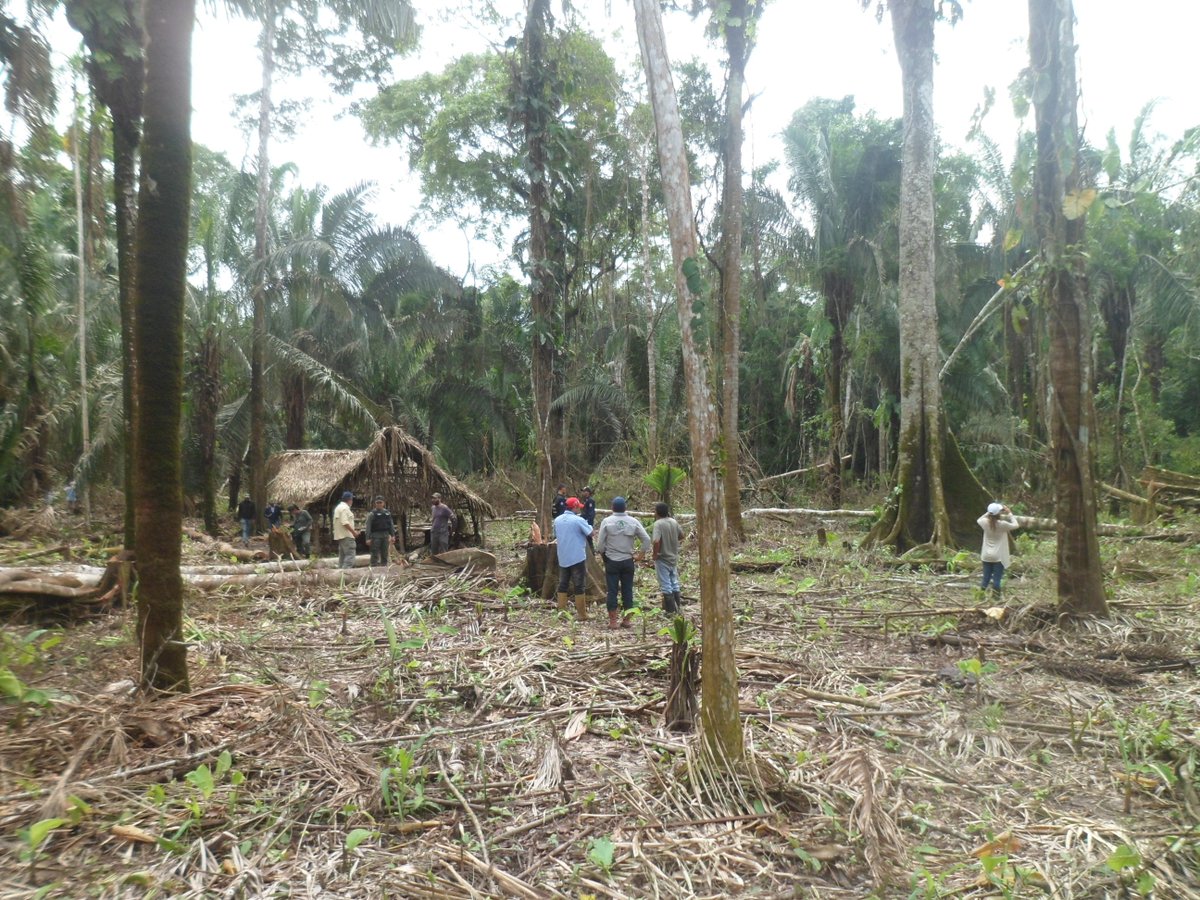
379,529
621,540
302,523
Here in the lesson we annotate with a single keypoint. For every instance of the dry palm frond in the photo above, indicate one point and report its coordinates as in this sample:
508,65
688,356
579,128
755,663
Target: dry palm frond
858,774
1108,674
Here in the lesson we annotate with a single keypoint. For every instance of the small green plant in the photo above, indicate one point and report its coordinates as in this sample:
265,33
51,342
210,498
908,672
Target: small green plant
402,783
1128,864
602,852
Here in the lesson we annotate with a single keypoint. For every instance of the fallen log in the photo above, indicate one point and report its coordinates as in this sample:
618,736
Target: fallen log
1124,532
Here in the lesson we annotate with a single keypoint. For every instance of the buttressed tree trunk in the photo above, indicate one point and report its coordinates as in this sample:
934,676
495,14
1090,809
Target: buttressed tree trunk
162,245
542,288
927,514
719,721
1057,179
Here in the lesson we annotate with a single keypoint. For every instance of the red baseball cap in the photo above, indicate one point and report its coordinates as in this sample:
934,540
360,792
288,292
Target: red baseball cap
574,503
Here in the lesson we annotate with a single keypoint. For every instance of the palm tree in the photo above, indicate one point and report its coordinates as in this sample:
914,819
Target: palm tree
846,173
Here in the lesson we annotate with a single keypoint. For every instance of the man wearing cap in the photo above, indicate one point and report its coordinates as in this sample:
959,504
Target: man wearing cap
614,542
343,531
443,520
559,506
571,532
301,530
380,530
589,515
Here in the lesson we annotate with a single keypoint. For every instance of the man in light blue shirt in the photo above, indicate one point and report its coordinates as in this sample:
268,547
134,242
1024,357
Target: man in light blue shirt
572,532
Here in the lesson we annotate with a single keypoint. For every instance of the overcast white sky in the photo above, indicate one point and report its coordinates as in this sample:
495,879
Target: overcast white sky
1128,54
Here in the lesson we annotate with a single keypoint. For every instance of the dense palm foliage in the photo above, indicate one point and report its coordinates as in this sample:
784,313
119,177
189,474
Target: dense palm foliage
364,330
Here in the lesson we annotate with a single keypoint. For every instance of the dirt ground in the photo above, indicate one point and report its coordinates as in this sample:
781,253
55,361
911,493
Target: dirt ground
451,737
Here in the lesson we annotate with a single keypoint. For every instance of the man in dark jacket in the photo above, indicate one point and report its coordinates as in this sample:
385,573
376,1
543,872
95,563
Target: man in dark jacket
559,506
246,512
302,523
380,530
589,515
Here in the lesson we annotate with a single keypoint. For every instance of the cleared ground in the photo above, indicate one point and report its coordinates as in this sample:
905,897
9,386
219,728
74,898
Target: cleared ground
455,738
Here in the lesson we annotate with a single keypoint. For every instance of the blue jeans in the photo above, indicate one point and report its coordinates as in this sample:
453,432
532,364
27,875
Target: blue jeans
668,577
619,573
992,572
246,523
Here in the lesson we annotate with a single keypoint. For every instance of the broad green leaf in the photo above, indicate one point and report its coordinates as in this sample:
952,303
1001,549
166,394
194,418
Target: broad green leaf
1012,238
602,852
1076,203
202,779
1124,857
358,835
39,831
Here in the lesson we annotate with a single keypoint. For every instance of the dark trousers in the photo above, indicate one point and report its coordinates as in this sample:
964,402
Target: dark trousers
619,573
379,547
303,542
992,572
571,579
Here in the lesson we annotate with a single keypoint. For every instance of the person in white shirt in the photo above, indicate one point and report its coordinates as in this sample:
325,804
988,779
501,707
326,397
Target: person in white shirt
996,523
343,531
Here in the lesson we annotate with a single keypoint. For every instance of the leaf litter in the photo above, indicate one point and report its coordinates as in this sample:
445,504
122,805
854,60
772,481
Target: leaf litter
447,736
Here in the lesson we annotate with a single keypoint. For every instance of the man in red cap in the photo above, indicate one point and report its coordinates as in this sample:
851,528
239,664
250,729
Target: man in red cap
571,531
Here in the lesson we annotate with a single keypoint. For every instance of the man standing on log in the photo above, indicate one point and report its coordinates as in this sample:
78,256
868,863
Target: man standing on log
443,520
615,541
343,531
665,540
380,530
301,530
246,512
572,532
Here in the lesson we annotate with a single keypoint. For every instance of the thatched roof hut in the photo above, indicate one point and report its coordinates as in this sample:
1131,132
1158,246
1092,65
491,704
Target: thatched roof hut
395,465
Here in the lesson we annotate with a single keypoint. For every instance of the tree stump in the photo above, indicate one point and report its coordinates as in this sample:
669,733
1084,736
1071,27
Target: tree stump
542,572
683,689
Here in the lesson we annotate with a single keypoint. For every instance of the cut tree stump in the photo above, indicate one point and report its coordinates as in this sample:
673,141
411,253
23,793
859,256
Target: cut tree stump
542,572
684,687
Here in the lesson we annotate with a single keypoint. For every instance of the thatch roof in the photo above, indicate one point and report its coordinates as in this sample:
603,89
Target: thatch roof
395,465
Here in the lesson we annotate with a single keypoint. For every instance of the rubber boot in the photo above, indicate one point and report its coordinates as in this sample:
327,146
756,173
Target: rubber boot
669,606
613,624
626,619
562,600
581,608
679,601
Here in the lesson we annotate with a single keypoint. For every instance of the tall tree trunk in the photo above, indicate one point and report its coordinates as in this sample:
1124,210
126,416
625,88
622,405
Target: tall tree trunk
939,498
839,300
719,717
542,289
206,371
162,246
258,450
126,137
82,489
116,68
737,47
1057,174
653,449
295,408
